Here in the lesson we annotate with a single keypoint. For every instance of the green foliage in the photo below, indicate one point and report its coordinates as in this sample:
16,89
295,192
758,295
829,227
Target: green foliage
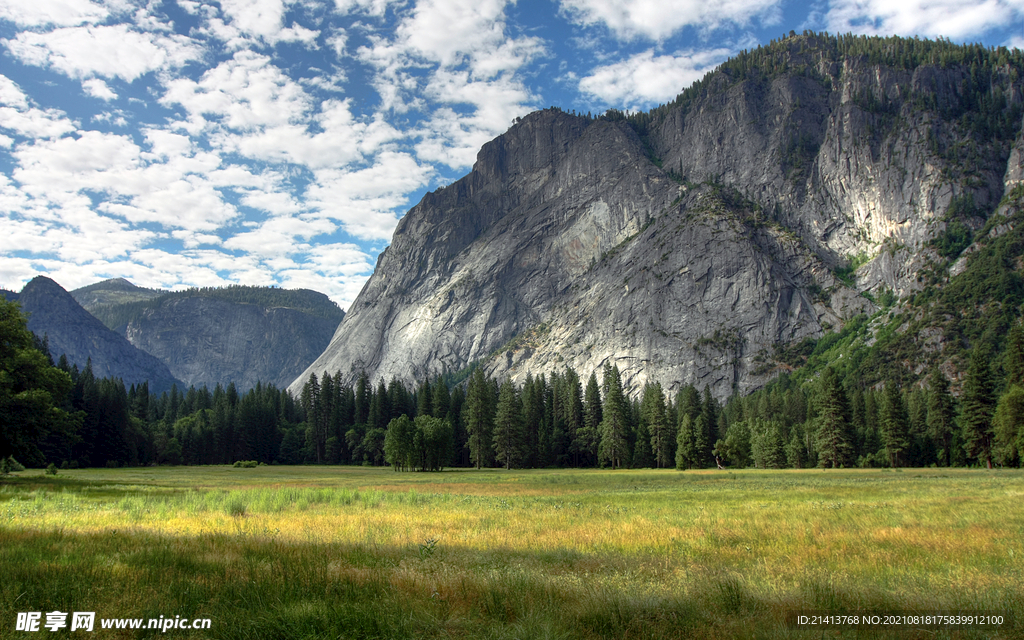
32,391
614,446
845,273
977,406
833,437
1009,426
245,464
767,444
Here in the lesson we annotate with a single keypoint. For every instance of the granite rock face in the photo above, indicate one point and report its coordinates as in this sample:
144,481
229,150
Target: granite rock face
208,341
687,255
74,332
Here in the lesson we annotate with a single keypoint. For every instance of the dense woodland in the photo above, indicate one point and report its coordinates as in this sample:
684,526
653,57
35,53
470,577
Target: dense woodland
876,393
57,414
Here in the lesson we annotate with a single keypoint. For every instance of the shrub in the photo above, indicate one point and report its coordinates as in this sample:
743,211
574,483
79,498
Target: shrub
246,464
51,470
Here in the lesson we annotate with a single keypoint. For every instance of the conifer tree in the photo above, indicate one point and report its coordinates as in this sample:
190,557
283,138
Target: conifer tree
479,420
686,443
833,440
654,418
509,448
572,414
614,439
592,417
977,406
895,425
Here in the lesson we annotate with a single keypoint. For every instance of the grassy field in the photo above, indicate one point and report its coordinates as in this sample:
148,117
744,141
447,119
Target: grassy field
346,552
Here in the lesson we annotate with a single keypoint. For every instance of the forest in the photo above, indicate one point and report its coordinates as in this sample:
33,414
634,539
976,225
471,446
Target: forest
70,418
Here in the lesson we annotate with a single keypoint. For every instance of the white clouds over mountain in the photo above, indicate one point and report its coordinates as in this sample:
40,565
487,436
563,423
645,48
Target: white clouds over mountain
181,142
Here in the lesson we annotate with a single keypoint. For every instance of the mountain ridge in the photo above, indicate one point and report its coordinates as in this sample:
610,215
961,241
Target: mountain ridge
791,187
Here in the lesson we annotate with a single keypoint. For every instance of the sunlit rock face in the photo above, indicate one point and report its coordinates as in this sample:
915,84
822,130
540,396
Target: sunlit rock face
686,255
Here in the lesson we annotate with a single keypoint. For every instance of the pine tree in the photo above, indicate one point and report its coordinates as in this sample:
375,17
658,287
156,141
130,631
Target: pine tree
509,448
614,440
592,417
572,414
895,425
833,440
479,420
654,419
977,406
686,443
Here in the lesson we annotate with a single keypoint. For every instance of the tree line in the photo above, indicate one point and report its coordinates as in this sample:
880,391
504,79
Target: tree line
56,413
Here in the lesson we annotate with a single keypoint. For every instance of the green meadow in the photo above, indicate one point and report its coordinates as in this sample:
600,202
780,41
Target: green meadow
357,552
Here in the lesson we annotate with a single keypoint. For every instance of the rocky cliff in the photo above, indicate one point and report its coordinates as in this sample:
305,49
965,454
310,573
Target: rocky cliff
243,335
771,201
74,332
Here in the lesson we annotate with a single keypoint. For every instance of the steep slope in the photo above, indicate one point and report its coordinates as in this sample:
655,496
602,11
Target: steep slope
235,334
73,332
687,243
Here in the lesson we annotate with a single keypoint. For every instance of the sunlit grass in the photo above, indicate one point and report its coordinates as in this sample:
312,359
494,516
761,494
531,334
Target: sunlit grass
593,553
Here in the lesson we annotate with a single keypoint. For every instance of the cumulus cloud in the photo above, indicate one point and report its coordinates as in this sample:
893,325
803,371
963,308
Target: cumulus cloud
659,19
11,94
647,78
248,22
929,18
279,236
98,89
456,59
64,13
107,51
364,200
375,8
245,92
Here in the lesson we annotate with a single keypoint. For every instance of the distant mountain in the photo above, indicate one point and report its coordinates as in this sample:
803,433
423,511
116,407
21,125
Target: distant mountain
791,190
208,336
74,332
100,298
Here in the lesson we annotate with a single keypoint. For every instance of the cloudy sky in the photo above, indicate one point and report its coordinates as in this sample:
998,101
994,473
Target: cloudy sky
189,143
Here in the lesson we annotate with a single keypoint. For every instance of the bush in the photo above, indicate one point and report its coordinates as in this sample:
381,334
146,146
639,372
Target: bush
246,464
9,465
51,470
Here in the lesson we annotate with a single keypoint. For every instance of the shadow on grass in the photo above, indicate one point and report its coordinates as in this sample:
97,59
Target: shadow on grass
260,587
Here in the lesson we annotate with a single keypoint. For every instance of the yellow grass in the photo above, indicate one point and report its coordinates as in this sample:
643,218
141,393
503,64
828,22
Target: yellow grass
742,549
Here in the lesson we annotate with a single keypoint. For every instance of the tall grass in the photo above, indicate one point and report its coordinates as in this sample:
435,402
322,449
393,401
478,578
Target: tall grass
328,552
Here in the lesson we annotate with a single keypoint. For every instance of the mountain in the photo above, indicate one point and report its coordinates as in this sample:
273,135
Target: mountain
102,298
75,333
208,336
791,190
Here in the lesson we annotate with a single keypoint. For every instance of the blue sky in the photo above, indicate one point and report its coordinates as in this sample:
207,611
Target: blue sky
278,142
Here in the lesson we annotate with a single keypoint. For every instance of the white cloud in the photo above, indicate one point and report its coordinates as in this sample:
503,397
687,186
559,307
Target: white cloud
245,92
365,201
64,13
928,18
36,123
108,51
11,94
279,237
257,21
659,19
98,89
453,53
646,78
375,8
